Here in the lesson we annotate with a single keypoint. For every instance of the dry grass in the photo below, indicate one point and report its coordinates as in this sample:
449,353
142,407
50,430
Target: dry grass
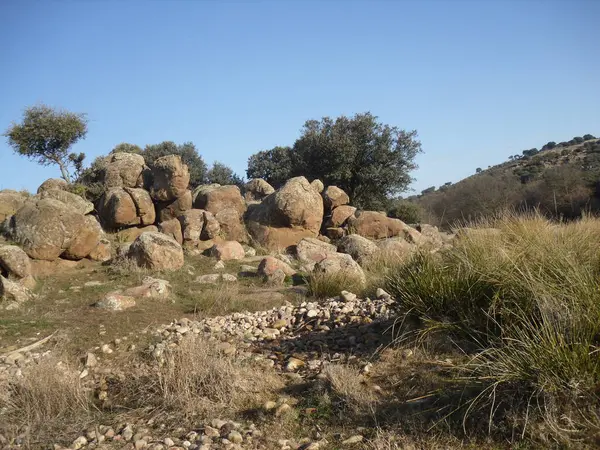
351,388
199,379
323,285
47,403
195,381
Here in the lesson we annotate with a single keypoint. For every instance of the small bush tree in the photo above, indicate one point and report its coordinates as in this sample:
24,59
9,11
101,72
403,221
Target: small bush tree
46,134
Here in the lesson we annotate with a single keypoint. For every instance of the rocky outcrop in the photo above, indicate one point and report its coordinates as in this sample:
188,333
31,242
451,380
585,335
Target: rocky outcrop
286,216
72,200
124,207
360,248
172,228
124,170
53,183
47,228
85,240
156,251
173,209
10,203
171,178
257,189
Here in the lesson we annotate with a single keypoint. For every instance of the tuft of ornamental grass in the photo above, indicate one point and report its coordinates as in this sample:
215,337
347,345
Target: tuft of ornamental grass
523,294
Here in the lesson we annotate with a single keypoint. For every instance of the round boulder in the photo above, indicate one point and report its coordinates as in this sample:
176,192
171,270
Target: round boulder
10,203
156,251
228,250
257,189
47,228
360,248
74,201
171,178
53,183
334,197
14,262
124,170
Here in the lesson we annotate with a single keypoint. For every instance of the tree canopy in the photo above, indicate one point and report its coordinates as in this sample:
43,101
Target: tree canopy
274,166
46,134
222,174
370,160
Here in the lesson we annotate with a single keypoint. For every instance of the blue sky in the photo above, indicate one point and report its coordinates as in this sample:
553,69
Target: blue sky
479,80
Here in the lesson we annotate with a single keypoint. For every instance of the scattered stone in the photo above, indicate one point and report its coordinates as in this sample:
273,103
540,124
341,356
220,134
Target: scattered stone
90,360
219,265
228,250
356,439
348,296
294,364
116,301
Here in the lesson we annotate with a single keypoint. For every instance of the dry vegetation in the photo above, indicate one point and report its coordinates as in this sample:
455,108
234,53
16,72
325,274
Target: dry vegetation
497,346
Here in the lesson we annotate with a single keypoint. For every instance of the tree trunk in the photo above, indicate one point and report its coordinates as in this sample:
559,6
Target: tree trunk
64,172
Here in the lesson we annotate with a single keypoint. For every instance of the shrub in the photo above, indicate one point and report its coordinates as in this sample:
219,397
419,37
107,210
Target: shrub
406,211
528,297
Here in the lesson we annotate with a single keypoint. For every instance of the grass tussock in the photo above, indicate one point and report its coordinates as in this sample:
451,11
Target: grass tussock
197,380
521,296
47,402
327,285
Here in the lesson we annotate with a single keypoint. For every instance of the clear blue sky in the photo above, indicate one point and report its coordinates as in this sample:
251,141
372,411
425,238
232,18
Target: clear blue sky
479,80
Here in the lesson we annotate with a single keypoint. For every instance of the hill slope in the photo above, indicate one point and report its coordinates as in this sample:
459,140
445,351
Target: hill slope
561,180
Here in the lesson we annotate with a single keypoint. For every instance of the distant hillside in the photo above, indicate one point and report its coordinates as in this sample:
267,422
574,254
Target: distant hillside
562,180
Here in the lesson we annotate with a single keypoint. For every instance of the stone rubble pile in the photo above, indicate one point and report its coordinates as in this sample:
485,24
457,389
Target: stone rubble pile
314,329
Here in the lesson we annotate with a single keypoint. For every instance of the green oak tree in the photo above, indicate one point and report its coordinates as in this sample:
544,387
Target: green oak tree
46,134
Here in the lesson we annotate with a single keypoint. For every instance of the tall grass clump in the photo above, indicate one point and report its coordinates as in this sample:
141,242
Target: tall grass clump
46,404
525,294
327,285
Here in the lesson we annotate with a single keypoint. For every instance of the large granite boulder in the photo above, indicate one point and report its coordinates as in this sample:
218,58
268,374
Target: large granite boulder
173,208
125,207
285,217
10,202
53,183
124,170
341,263
47,228
156,251
257,189
333,197
74,201
360,248
171,178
